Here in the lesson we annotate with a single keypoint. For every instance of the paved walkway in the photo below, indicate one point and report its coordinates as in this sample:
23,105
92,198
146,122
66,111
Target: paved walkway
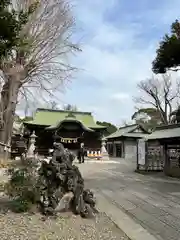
151,201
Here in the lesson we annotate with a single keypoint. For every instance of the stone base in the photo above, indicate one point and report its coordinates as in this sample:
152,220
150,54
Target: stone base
105,157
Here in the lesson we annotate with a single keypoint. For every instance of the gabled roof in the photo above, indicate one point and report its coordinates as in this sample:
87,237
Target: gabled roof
133,131
165,131
57,126
48,117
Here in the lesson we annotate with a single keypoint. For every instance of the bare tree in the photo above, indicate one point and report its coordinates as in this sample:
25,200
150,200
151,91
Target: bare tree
161,93
70,107
40,62
54,105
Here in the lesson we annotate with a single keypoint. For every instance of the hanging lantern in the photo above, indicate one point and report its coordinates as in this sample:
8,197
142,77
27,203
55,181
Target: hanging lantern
69,140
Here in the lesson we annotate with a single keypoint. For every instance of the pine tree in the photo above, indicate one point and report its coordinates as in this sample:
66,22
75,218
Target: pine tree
168,52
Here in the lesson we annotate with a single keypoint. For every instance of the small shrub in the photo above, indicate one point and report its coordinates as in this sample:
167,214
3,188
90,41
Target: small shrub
22,188
21,205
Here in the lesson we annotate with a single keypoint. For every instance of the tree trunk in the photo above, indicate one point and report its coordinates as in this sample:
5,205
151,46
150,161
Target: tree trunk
9,97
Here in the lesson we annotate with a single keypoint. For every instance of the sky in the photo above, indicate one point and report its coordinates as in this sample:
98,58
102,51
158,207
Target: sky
118,39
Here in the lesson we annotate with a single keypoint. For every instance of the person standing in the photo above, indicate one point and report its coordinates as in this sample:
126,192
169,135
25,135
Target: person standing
81,153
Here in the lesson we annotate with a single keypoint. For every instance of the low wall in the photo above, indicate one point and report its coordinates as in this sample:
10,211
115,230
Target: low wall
172,172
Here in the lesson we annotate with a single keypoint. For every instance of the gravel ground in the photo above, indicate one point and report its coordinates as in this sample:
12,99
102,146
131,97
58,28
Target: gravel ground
65,227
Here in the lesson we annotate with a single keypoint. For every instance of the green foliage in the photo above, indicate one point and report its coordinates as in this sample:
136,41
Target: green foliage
151,112
110,127
168,53
11,23
22,188
21,205
175,116
150,119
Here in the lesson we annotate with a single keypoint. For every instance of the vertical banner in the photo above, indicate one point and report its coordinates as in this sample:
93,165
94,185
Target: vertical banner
141,152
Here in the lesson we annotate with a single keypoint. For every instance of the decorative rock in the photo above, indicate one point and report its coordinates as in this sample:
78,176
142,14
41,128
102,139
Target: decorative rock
61,185
65,202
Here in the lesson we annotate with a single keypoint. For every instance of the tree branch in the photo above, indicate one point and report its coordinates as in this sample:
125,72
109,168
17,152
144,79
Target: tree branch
160,93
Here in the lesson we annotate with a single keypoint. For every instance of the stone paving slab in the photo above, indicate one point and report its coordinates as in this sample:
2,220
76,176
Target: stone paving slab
151,201
133,230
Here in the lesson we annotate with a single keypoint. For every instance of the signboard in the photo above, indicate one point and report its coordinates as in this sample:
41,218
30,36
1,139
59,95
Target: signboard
141,152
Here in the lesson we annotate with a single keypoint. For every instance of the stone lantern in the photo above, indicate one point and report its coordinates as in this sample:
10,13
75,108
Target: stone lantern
104,153
32,147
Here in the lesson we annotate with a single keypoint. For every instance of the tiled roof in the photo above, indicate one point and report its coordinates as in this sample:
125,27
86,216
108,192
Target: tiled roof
127,131
47,117
169,131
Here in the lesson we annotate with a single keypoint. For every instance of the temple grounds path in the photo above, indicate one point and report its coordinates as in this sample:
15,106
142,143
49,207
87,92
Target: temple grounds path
143,206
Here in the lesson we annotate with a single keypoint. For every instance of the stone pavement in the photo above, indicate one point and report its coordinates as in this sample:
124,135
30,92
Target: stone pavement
152,201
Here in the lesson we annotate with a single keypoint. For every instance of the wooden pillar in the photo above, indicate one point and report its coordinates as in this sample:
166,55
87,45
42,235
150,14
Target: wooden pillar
137,155
114,149
123,148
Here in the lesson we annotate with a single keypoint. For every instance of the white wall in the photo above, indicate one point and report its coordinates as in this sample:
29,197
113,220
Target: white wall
130,150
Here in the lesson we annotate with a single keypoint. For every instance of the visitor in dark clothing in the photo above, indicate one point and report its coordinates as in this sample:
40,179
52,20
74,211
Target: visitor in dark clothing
81,153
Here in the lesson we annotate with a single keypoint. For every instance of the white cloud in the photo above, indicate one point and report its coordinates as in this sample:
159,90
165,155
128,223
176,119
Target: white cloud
120,96
116,54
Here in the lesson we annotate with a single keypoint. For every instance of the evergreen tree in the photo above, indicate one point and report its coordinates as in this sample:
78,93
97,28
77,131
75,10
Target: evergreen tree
168,53
11,23
110,127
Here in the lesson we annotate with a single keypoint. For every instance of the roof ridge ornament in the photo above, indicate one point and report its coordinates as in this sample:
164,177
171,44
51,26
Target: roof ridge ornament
70,115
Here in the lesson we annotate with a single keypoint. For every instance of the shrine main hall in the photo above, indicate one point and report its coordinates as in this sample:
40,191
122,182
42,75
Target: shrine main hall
71,128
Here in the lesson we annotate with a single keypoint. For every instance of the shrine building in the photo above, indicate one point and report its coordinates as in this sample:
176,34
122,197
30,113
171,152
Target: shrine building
68,127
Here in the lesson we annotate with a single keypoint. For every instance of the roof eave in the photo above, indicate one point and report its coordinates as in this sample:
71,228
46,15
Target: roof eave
98,127
52,127
128,135
36,124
